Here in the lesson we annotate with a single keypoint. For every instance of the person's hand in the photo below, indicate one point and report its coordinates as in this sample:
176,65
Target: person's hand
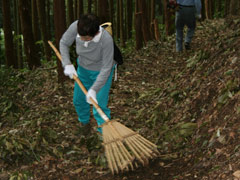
91,94
69,70
199,16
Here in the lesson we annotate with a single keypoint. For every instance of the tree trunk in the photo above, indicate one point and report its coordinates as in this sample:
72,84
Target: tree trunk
118,20
208,9
203,11
111,14
169,20
44,33
103,11
122,39
129,18
10,54
70,14
48,18
219,6
152,10
35,24
145,22
80,7
89,6
18,39
96,6
234,7
138,27
29,45
76,15
60,27
227,7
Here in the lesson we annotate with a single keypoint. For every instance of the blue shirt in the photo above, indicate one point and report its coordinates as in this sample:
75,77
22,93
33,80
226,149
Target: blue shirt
196,3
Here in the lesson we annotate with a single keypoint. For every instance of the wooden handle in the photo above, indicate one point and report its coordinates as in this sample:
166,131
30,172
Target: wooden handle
99,110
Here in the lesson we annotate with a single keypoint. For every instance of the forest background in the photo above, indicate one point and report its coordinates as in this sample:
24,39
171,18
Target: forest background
39,135
27,25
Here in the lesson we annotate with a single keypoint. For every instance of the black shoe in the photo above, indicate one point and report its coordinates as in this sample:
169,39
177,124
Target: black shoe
187,46
85,129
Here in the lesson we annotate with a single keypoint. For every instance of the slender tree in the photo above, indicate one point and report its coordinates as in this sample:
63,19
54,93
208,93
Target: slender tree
111,13
152,10
145,22
129,18
29,45
18,37
80,7
35,24
10,53
60,27
227,7
168,20
76,15
234,7
118,20
138,26
89,6
70,12
122,34
42,20
103,10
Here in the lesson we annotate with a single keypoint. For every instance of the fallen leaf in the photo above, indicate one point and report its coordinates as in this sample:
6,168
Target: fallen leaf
237,174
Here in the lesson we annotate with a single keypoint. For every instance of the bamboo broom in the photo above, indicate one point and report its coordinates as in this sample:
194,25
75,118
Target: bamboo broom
124,148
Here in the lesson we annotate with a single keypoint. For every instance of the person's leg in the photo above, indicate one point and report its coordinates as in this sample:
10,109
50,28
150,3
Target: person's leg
179,30
102,98
79,98
191,25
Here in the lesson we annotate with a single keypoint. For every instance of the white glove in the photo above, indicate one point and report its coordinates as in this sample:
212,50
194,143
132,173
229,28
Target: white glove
199,16
91,93
69,70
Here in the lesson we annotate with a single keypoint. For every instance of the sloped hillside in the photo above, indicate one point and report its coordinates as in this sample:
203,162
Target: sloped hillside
188,104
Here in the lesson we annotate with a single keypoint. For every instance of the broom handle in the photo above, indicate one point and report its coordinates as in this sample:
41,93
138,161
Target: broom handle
99,110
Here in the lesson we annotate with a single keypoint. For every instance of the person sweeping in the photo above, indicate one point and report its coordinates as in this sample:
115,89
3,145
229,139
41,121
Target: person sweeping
124,148
95,66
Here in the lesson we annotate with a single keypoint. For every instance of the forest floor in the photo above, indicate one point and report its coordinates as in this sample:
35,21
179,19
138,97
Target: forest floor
188,104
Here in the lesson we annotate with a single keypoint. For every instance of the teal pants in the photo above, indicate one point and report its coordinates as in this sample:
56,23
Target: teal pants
88,77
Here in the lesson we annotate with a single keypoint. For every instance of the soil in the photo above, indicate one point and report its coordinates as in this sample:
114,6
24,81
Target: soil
187,103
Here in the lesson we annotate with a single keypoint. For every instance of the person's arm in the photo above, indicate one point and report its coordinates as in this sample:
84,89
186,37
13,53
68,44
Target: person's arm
66,41
198,6
107,52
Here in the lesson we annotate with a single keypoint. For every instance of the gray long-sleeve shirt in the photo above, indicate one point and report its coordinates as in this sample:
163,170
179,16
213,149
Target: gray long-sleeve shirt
97,56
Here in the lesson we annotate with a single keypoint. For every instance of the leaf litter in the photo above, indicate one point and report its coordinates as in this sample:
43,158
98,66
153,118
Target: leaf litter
188,104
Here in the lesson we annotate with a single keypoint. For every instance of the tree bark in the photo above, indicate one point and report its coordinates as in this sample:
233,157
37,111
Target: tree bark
80,7
152,25
29,45
145,21
35,24
10,53
234,7
138,26
169,20
227,7
89,6
70,14
17,39
44,33
103,11
60,27
129,18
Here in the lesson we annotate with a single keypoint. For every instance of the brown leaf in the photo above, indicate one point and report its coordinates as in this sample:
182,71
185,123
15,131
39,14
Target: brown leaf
237,174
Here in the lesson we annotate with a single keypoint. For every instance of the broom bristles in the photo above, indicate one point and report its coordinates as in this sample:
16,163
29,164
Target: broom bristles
123,146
